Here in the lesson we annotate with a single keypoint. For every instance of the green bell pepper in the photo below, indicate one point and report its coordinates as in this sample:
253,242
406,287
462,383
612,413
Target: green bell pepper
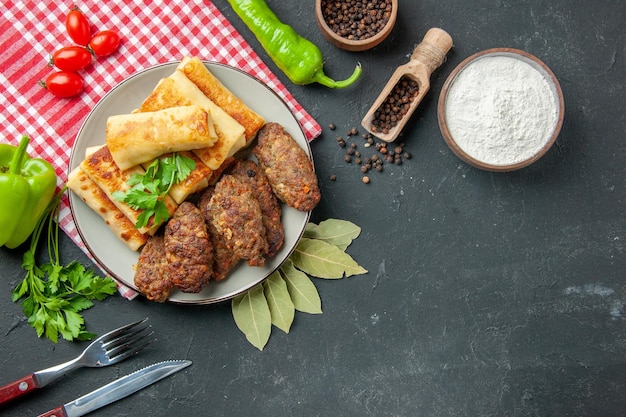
26,187
300,59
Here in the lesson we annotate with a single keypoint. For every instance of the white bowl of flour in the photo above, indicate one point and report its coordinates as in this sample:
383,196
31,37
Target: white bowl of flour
501,109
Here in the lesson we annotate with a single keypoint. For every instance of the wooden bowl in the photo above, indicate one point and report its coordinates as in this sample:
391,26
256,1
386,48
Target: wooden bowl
352,45
509,150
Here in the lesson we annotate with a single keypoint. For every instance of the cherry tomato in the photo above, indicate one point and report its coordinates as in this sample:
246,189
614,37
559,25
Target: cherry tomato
105,42
63,84
78,27
71,58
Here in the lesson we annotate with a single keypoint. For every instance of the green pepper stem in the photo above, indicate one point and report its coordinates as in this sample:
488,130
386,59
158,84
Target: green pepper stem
18,156
46,218
325,80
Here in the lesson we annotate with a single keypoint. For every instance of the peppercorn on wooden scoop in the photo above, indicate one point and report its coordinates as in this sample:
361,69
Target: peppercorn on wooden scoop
426,57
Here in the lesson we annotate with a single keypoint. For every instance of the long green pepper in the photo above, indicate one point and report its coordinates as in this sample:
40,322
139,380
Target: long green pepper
300,59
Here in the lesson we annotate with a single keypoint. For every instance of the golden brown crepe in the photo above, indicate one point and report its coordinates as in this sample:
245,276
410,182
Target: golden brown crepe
213,88
178,90
91,149
103,171
136,138
87,190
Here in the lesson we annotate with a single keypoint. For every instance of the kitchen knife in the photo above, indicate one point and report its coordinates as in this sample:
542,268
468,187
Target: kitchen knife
118,389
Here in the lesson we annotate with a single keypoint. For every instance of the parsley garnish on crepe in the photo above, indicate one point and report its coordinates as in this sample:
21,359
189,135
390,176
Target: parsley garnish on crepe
148,190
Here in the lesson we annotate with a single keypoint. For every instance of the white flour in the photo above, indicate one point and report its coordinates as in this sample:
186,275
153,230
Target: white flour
501,110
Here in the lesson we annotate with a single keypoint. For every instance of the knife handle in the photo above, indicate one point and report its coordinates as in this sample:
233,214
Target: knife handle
57,412
17,388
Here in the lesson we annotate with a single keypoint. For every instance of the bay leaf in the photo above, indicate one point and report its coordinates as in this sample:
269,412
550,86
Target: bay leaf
324,260
252,316
340,233
303,293
281,307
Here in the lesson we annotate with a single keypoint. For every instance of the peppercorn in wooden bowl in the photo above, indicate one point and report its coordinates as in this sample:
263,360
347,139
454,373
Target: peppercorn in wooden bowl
501,109
356,25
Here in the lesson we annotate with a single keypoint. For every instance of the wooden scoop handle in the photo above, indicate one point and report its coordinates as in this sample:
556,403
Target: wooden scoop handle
426,57
433,49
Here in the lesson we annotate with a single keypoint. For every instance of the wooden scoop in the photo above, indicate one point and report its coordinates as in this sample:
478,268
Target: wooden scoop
426,57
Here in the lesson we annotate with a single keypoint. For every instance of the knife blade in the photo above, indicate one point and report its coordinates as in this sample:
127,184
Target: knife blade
118,389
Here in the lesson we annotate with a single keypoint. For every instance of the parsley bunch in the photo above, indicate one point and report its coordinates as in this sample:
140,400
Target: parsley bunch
54,295
148,190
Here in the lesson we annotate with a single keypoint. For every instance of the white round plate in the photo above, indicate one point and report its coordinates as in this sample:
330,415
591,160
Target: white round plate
111,253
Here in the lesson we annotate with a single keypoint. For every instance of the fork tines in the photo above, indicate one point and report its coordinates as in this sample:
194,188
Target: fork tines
128,340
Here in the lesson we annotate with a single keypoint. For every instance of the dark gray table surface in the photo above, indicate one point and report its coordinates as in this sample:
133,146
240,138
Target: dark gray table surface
488,294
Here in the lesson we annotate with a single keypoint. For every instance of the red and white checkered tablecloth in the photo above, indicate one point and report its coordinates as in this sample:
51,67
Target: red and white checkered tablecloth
152,32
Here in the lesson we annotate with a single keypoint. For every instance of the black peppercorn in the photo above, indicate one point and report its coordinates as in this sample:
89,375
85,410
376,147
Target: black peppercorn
386,153
395,106
356,19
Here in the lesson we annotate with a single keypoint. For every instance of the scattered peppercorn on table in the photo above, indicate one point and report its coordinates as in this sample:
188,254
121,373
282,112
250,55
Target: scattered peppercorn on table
488,293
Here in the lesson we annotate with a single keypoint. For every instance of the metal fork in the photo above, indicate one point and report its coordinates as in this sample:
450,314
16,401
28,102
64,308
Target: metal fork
108,349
